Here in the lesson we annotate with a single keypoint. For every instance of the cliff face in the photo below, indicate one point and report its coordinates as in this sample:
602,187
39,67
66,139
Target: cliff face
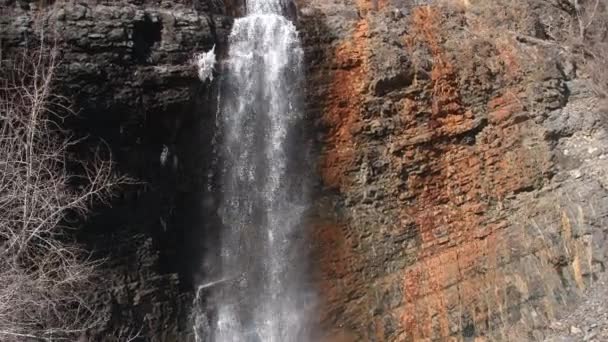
462,159
126,68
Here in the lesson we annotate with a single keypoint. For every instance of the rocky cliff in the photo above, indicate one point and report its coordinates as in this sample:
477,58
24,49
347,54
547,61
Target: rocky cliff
461,157
126,68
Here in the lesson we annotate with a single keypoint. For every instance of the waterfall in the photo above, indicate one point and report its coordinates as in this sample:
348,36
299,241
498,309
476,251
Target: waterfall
257,292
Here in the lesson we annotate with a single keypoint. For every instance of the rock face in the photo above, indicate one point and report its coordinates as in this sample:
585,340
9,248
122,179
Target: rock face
126,68
462,157
463,171
588,322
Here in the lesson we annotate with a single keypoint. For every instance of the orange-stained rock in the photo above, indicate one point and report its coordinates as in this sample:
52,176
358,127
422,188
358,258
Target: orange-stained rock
342,105
447,222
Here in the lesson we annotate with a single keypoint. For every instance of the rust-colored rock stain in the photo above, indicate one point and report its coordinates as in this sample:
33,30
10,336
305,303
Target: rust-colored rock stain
443,240
342,106
457,259
335,252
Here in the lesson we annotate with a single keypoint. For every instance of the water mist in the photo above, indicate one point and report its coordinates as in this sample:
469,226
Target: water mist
256,289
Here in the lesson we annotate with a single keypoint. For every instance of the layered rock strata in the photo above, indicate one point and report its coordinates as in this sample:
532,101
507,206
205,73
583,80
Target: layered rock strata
462,191
462,169
126,68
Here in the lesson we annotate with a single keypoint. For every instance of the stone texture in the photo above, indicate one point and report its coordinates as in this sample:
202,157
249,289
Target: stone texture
462,186
453,203
589,322
125,66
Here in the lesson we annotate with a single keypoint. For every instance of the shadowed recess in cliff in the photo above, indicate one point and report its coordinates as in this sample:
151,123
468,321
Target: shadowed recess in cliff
254,286
145,34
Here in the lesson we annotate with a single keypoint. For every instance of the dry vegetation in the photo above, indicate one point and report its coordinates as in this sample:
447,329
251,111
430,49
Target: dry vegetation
44,274
591,40
578,29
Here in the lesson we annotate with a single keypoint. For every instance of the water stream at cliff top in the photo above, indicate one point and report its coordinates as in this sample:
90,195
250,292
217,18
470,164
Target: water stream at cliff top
258,294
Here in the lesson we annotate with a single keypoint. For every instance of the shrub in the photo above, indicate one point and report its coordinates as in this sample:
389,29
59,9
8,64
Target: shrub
44,274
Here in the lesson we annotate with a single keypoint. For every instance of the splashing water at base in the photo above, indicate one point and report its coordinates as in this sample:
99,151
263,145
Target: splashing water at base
259,292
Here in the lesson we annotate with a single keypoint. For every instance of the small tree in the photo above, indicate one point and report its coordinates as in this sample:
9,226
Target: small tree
591,38
44,274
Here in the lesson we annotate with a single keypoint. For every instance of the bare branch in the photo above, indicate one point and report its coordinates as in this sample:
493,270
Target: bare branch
44,278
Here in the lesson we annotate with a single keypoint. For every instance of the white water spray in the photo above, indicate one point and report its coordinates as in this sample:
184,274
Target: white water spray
260,295
206,64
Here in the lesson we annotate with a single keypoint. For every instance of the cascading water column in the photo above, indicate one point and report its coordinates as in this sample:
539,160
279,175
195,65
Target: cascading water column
258,293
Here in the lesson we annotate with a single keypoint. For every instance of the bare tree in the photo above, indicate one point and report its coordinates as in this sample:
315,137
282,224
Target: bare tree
585,13
592,19
44,275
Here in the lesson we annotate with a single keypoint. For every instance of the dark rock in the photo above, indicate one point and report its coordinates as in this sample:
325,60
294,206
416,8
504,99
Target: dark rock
126,68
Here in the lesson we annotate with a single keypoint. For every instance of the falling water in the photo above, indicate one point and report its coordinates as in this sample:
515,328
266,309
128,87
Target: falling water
258,293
